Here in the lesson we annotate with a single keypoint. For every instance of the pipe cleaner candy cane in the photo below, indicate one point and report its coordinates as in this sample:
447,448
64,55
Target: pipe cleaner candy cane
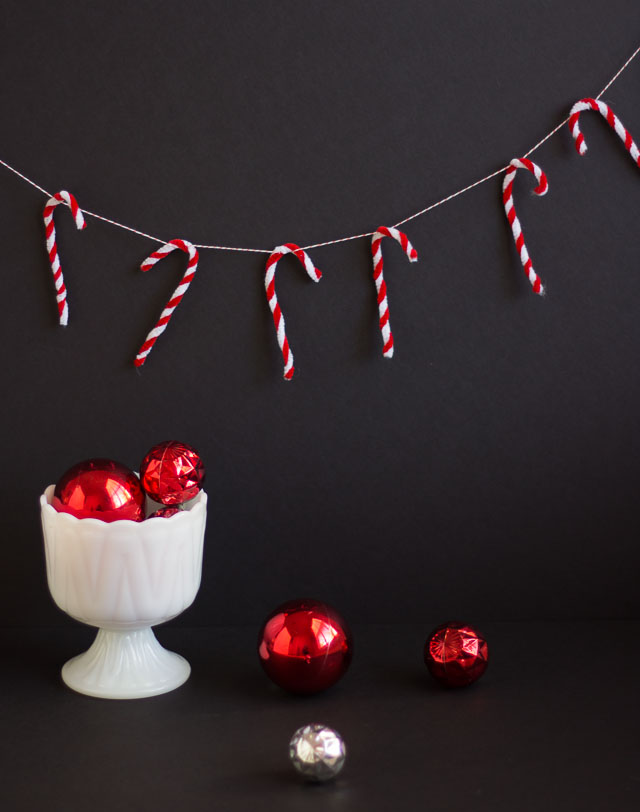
613,121
52,248
270,287
381,285
176,297
507,197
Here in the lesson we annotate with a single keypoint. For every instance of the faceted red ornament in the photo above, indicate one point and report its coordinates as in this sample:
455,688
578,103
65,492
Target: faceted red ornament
456,654
164,513
100,489
172,473
305,646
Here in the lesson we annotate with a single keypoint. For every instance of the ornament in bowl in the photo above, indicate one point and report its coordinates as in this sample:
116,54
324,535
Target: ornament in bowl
172,473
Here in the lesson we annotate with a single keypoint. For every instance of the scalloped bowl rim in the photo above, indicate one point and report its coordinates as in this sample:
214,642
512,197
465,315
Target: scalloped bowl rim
199,504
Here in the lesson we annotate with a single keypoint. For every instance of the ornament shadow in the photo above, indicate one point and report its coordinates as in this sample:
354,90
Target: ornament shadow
413,680
291,788
403,679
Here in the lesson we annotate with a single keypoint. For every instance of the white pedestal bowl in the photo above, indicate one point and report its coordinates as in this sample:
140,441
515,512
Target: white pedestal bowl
124,577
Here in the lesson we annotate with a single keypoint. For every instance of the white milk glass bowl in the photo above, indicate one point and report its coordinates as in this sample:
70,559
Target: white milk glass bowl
124,577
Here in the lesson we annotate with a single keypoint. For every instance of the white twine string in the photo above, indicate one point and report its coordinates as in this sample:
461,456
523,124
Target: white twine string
353,236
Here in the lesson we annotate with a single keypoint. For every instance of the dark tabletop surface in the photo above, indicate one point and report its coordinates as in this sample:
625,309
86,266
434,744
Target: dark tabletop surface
552,725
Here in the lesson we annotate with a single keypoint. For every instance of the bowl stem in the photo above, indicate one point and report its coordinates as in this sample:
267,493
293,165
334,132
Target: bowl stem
125,665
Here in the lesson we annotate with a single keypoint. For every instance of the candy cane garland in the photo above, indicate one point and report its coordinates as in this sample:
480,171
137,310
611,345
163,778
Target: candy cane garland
176,297
52,248
270,287
612,119
573,120
381,285
507,198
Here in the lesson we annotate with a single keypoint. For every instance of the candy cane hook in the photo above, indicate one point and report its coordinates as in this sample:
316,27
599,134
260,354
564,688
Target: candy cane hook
176,297
270,287
507,197
381,285
52,248
613,121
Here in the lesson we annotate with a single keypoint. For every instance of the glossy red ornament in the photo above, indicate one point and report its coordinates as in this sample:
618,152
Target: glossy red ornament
456,654
305,646
164,513
100,489
172,473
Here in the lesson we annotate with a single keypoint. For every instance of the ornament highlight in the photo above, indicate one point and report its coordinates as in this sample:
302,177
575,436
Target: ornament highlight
305,646
317,752
172,473
456,654
100,489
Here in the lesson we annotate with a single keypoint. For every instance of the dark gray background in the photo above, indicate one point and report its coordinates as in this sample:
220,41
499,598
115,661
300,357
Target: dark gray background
491,469
489,472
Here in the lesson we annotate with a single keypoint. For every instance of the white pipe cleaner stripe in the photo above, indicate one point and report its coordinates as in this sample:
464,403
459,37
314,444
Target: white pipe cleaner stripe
176,297
612,119
381,286
69,200
270,287
510,211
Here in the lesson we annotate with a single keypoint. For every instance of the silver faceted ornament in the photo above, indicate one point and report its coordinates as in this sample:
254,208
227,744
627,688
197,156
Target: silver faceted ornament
317,752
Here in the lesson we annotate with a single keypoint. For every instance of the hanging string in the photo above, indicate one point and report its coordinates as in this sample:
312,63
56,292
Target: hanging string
353,236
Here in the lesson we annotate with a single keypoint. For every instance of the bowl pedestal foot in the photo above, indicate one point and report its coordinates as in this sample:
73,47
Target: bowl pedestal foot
125,665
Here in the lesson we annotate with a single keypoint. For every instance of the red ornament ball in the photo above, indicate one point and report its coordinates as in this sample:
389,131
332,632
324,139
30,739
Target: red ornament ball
305,646
172,473
456,654
164,513
100,489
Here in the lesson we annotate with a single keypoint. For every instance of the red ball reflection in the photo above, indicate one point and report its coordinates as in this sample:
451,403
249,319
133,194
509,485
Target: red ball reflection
456,654
100,489
164,513
305,646
172,473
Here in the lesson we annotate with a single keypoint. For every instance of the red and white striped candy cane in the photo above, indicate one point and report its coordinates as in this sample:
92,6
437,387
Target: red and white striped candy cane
176,297
507,198
52,248
613,121
270,287
381,285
